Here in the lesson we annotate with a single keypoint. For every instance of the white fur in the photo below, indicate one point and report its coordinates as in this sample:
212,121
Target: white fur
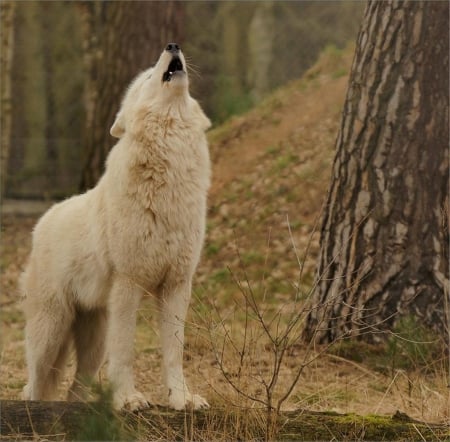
140,229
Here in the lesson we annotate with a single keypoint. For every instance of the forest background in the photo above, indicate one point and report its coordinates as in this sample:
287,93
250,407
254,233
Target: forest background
238,52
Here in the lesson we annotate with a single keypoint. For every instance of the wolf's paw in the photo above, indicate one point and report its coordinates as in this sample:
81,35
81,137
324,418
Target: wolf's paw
198,402
185,399
26,393
134,401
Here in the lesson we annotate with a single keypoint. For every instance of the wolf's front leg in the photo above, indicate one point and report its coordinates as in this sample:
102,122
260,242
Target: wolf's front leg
123,304
174,303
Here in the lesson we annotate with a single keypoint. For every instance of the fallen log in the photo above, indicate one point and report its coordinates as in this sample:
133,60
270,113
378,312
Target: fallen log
97,421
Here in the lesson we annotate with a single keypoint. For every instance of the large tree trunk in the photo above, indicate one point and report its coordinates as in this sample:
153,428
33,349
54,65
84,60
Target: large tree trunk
120,39
6,52
384,238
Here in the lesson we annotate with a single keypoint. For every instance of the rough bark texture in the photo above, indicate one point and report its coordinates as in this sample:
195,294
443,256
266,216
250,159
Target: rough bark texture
120,39
384,237
6,52
90,421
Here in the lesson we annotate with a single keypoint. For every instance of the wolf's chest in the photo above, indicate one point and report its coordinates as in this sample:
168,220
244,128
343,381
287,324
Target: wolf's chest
170,180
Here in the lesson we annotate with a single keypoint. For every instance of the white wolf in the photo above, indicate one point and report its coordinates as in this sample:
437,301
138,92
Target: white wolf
139,230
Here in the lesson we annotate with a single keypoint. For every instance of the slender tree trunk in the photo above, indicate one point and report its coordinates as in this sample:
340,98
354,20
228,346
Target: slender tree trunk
50,120
6,51
261,37
120,39
384,238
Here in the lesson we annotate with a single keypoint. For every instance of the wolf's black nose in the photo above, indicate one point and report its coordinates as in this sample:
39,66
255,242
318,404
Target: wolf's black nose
173,48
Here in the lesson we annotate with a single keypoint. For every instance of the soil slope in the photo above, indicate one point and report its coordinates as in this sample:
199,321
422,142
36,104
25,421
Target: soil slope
271,170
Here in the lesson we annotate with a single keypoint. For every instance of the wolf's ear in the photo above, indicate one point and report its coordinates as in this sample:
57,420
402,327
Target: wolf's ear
118,127
200,118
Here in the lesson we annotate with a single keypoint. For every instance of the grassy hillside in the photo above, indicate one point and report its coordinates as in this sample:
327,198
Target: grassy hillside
270,177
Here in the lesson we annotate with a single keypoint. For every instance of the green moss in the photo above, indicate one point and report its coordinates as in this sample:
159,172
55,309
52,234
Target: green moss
11,317
16,385
412,345
273,150
221,276
212,249
103,423
252,257
279,286
284,161
359,351
338,73
228,101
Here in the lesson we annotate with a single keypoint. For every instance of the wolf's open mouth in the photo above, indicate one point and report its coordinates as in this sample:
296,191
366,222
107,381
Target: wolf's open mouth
174,66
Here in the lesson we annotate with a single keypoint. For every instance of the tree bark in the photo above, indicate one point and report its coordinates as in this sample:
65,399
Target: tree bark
120,39
7,44
384,236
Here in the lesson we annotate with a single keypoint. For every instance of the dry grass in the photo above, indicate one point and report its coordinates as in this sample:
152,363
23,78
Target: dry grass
228,345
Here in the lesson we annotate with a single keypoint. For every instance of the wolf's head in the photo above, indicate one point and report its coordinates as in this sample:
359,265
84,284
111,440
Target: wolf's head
161,88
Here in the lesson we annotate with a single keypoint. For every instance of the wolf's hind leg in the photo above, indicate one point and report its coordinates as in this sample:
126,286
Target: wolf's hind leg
89,335
46,343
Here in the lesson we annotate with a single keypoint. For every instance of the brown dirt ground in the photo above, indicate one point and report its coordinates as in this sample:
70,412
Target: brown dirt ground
271,170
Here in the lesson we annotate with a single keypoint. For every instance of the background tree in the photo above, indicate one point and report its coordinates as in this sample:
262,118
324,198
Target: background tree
47,107
50,126
6,52
56,128
384,237
244,50
120,39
